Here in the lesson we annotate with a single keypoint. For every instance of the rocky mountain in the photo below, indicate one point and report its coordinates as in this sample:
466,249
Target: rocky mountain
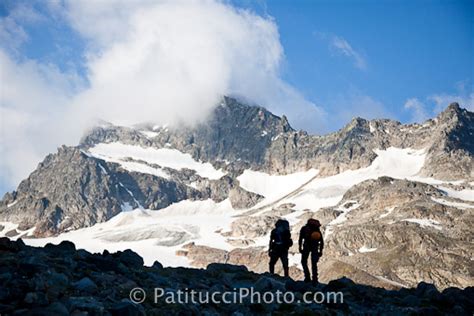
60,280
396,201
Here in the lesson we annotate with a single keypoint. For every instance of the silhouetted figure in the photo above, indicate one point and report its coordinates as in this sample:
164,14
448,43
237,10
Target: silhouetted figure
311,242
280,242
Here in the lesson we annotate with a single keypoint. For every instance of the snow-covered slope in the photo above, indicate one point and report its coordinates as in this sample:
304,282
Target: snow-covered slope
152,160
155,235
212,193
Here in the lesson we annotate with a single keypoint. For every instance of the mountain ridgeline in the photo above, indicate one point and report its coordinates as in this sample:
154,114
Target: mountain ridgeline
75,188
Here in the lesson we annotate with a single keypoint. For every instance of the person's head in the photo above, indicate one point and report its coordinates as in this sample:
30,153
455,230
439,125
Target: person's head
314,223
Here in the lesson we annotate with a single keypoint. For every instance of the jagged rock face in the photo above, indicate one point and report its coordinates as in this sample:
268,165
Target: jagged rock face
67,190
452,151
235,132
251,137
448,140
399,232
346,149
72,189
396,233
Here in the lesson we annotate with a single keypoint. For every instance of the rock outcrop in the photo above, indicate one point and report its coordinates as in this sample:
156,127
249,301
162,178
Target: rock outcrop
60,280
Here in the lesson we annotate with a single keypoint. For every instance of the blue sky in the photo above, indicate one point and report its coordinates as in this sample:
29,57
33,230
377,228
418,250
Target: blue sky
411,49
65,63
408,49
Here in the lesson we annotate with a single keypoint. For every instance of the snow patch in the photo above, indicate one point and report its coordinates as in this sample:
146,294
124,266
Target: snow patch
155,235
466,194
164,157
131,194
460,205
365,249
390,281
9,226
126,207
273,187
12,204
392,162
150,134
372,128
102,168
424,223
341,218
388,210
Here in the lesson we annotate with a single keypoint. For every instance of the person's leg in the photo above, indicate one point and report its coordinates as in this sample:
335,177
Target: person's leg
284,262
314,265
304,263
273,261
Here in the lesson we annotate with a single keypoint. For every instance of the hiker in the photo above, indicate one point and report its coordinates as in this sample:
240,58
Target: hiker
311,242
280,242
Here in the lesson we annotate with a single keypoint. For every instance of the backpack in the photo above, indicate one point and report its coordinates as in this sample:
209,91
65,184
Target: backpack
312,234
282,234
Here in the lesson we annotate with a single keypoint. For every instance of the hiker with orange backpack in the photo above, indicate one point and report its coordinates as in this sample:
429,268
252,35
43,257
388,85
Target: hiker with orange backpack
311,243
280,242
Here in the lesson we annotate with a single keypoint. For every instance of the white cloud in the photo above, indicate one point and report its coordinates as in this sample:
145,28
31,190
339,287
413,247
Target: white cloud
343,47
166,62
436,103
442,100
418,109
33,119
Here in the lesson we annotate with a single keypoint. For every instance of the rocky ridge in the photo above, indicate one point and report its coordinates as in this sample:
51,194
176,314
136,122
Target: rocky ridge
380,241
60,280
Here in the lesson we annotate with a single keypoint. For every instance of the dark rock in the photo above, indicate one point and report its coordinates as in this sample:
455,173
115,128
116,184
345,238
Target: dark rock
9,245
32,265
86,304
223,267
126,309
56,285
424,288
6,309
297,286
12,233
4,293
338,284
85,285
265,283
411,300
103,263
130,258
58,309
66,245
157,265
429,311
36,298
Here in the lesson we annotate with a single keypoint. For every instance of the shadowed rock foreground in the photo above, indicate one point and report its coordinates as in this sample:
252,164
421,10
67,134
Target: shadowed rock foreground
60,280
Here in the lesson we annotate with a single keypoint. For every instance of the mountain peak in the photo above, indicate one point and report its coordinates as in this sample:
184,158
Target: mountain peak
454,106
453,111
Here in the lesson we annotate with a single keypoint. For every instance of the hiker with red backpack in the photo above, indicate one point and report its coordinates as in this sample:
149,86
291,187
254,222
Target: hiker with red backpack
311,243
280,242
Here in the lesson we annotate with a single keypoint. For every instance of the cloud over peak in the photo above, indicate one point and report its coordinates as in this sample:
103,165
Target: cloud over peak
161,61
